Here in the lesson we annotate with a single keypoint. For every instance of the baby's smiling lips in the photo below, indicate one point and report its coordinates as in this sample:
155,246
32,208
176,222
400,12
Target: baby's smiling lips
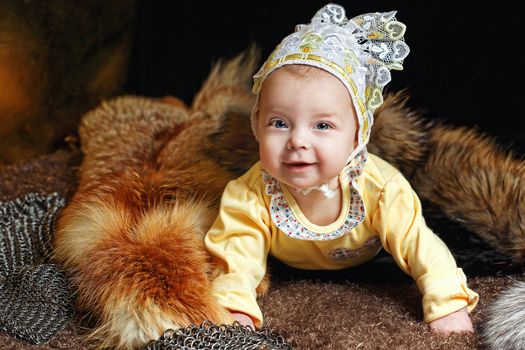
298,166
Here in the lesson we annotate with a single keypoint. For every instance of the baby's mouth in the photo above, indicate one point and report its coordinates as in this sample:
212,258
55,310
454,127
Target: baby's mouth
297,166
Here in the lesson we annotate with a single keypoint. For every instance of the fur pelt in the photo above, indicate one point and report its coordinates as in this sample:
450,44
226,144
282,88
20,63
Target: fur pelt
131,237
504,328
479,185
152,176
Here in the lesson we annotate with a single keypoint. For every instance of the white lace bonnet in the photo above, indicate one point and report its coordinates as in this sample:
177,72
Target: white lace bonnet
360,52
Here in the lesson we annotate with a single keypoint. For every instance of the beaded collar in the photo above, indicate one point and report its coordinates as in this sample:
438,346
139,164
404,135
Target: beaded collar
285,215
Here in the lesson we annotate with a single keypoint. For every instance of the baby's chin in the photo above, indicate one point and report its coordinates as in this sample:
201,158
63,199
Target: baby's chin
302,179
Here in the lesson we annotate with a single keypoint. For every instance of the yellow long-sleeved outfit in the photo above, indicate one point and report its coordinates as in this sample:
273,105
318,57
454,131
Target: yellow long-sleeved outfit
244,234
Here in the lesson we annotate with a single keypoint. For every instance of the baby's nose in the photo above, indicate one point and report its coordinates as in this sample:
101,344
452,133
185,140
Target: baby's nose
298,139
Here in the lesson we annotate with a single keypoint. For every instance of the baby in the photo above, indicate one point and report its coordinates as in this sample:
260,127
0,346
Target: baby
317,199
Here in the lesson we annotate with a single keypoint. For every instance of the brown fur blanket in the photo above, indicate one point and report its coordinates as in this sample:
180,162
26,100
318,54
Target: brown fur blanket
149,182
343,310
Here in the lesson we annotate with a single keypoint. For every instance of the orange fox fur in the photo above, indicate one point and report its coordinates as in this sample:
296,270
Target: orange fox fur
149,187
151,180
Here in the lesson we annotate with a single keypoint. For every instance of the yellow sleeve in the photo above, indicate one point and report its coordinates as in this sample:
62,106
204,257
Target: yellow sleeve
419,252
240,240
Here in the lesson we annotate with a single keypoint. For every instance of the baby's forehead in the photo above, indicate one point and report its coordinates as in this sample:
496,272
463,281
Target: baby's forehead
305,73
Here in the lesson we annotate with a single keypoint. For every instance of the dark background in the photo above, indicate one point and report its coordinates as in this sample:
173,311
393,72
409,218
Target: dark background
465,65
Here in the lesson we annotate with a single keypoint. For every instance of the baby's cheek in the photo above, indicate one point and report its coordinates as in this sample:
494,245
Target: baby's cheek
334,160
267,155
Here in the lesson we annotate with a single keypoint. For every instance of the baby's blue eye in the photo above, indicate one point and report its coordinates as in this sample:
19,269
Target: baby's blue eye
279,124
323,126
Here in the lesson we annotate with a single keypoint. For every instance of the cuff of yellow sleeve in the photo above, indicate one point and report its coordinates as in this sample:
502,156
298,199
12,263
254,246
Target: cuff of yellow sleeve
242,300
445,292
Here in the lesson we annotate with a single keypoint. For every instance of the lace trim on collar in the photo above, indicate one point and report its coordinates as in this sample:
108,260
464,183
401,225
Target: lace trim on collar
285,220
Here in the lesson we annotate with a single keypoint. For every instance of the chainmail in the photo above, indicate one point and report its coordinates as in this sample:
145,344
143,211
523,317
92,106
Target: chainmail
219,337
27,225
35,298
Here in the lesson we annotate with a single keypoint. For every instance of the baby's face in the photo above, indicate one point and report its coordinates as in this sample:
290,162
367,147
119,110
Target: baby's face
306,126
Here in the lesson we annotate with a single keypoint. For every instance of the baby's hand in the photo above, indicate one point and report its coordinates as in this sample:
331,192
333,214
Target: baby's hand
458,321
243,319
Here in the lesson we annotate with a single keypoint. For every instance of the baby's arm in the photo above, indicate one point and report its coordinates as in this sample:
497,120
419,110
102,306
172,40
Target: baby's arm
458,321
421,254
239,242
